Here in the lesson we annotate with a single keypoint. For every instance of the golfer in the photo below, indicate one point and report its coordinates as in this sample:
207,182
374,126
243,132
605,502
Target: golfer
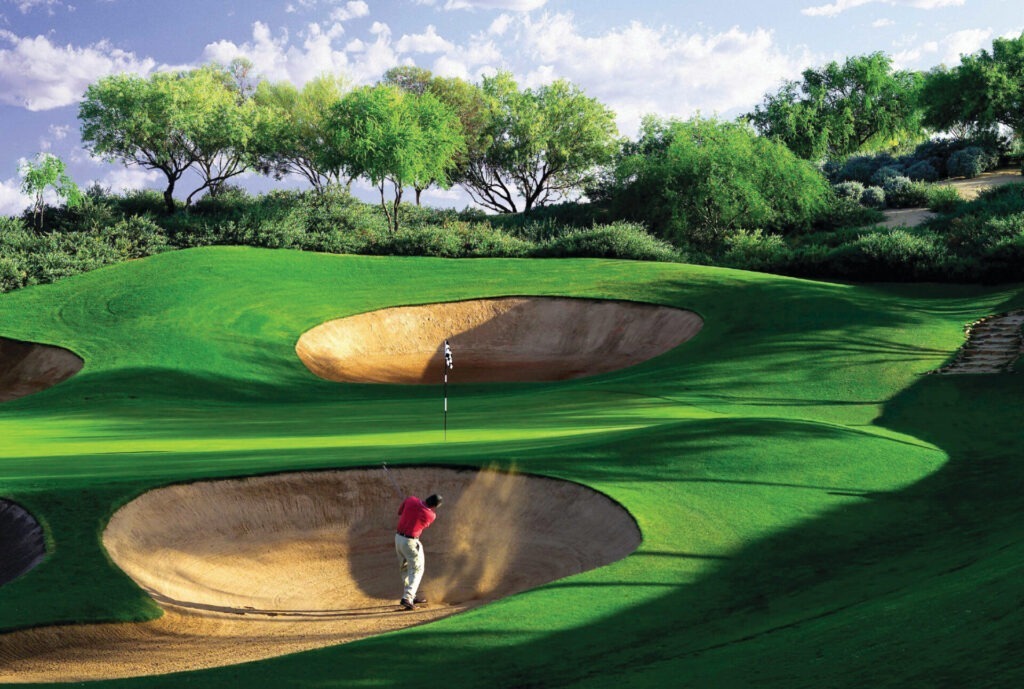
414,515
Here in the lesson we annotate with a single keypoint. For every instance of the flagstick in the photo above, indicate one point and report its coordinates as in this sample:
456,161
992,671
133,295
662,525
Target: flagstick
446,403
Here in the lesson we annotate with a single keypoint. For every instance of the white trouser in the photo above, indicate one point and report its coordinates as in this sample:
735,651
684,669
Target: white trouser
411,563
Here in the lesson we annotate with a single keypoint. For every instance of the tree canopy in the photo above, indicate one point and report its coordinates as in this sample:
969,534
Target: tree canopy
984,91
293,134
841,109
171,122
391,136
538,145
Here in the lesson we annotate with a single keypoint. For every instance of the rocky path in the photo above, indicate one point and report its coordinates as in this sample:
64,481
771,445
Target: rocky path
994,344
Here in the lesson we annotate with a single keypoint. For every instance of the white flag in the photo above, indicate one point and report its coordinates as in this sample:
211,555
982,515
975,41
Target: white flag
447,355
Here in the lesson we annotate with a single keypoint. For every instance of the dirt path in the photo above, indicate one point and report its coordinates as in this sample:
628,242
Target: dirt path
969,189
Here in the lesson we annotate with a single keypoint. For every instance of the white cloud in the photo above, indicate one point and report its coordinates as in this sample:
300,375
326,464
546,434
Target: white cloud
513,5
840,6
881,23
123,179
38,75
27,6
12,201
639,69
947,50
500,25
427,42
351,10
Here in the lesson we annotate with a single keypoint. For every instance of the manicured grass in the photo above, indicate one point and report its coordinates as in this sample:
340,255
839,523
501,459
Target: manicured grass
815,511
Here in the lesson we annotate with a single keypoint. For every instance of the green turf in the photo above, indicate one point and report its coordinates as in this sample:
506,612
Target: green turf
815,511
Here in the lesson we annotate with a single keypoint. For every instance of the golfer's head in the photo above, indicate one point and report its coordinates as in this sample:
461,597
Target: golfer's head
433,501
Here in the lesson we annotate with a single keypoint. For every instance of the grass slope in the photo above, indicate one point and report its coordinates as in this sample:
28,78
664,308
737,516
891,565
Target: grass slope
815,512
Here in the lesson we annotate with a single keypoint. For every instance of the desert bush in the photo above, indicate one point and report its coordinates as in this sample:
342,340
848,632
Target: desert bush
970,162
135,237
873,197
883,175
942,198
901,192
617,240
756,250
693,182
923,171
849,190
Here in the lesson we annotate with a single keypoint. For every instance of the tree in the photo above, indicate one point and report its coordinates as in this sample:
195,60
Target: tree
466,100
390,136
292,136
841,109
135,121
47,171
538,145
171,122
984,91
217,123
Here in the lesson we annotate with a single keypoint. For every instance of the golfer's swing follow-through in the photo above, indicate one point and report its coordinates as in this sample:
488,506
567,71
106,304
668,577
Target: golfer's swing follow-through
414,515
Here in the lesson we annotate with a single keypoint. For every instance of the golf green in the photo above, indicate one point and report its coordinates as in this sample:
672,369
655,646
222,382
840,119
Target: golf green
815,511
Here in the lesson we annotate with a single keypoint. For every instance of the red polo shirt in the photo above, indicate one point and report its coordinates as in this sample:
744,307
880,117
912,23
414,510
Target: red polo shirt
414,516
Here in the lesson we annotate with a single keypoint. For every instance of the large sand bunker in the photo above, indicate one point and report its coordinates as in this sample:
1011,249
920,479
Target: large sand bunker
253,568
26,367
494,340
22,544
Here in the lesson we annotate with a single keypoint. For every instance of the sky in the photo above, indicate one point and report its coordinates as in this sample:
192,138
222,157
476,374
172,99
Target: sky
670,58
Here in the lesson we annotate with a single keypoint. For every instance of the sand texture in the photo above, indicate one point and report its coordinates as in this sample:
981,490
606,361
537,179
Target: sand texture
494,340
253,568
26,368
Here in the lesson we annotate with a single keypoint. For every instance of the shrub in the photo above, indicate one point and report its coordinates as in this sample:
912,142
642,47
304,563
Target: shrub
756,250
13,273
849,190
618,240
135,237
882,175
900,192
943,198
895,255
923,171
969,162
873,197
693,182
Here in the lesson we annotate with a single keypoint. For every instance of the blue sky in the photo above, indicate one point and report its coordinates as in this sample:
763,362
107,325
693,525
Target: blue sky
637,56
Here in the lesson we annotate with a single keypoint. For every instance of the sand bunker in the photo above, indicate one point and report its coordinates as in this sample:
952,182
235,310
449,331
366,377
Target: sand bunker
26,367
254,568
494,340
22,544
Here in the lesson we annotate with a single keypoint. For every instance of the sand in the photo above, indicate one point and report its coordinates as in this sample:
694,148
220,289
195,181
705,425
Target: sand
253,568
22,543
27,368
512,339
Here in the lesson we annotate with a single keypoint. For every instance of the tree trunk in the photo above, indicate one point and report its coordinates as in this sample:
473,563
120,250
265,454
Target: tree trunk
418,192
169,197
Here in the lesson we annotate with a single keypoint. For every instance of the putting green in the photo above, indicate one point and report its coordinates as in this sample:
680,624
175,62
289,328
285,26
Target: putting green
802,491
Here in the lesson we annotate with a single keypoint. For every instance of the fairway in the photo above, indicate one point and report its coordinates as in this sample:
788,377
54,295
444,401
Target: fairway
813,510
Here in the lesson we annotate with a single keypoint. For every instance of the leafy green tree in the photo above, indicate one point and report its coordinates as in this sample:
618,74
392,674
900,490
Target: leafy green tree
292,136
843,108
984,91
218,123
694,182
171,122
466,100
393,137
45,172
538,145
134,120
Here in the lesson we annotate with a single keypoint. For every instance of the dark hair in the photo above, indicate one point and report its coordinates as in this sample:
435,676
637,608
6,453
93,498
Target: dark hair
433,501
